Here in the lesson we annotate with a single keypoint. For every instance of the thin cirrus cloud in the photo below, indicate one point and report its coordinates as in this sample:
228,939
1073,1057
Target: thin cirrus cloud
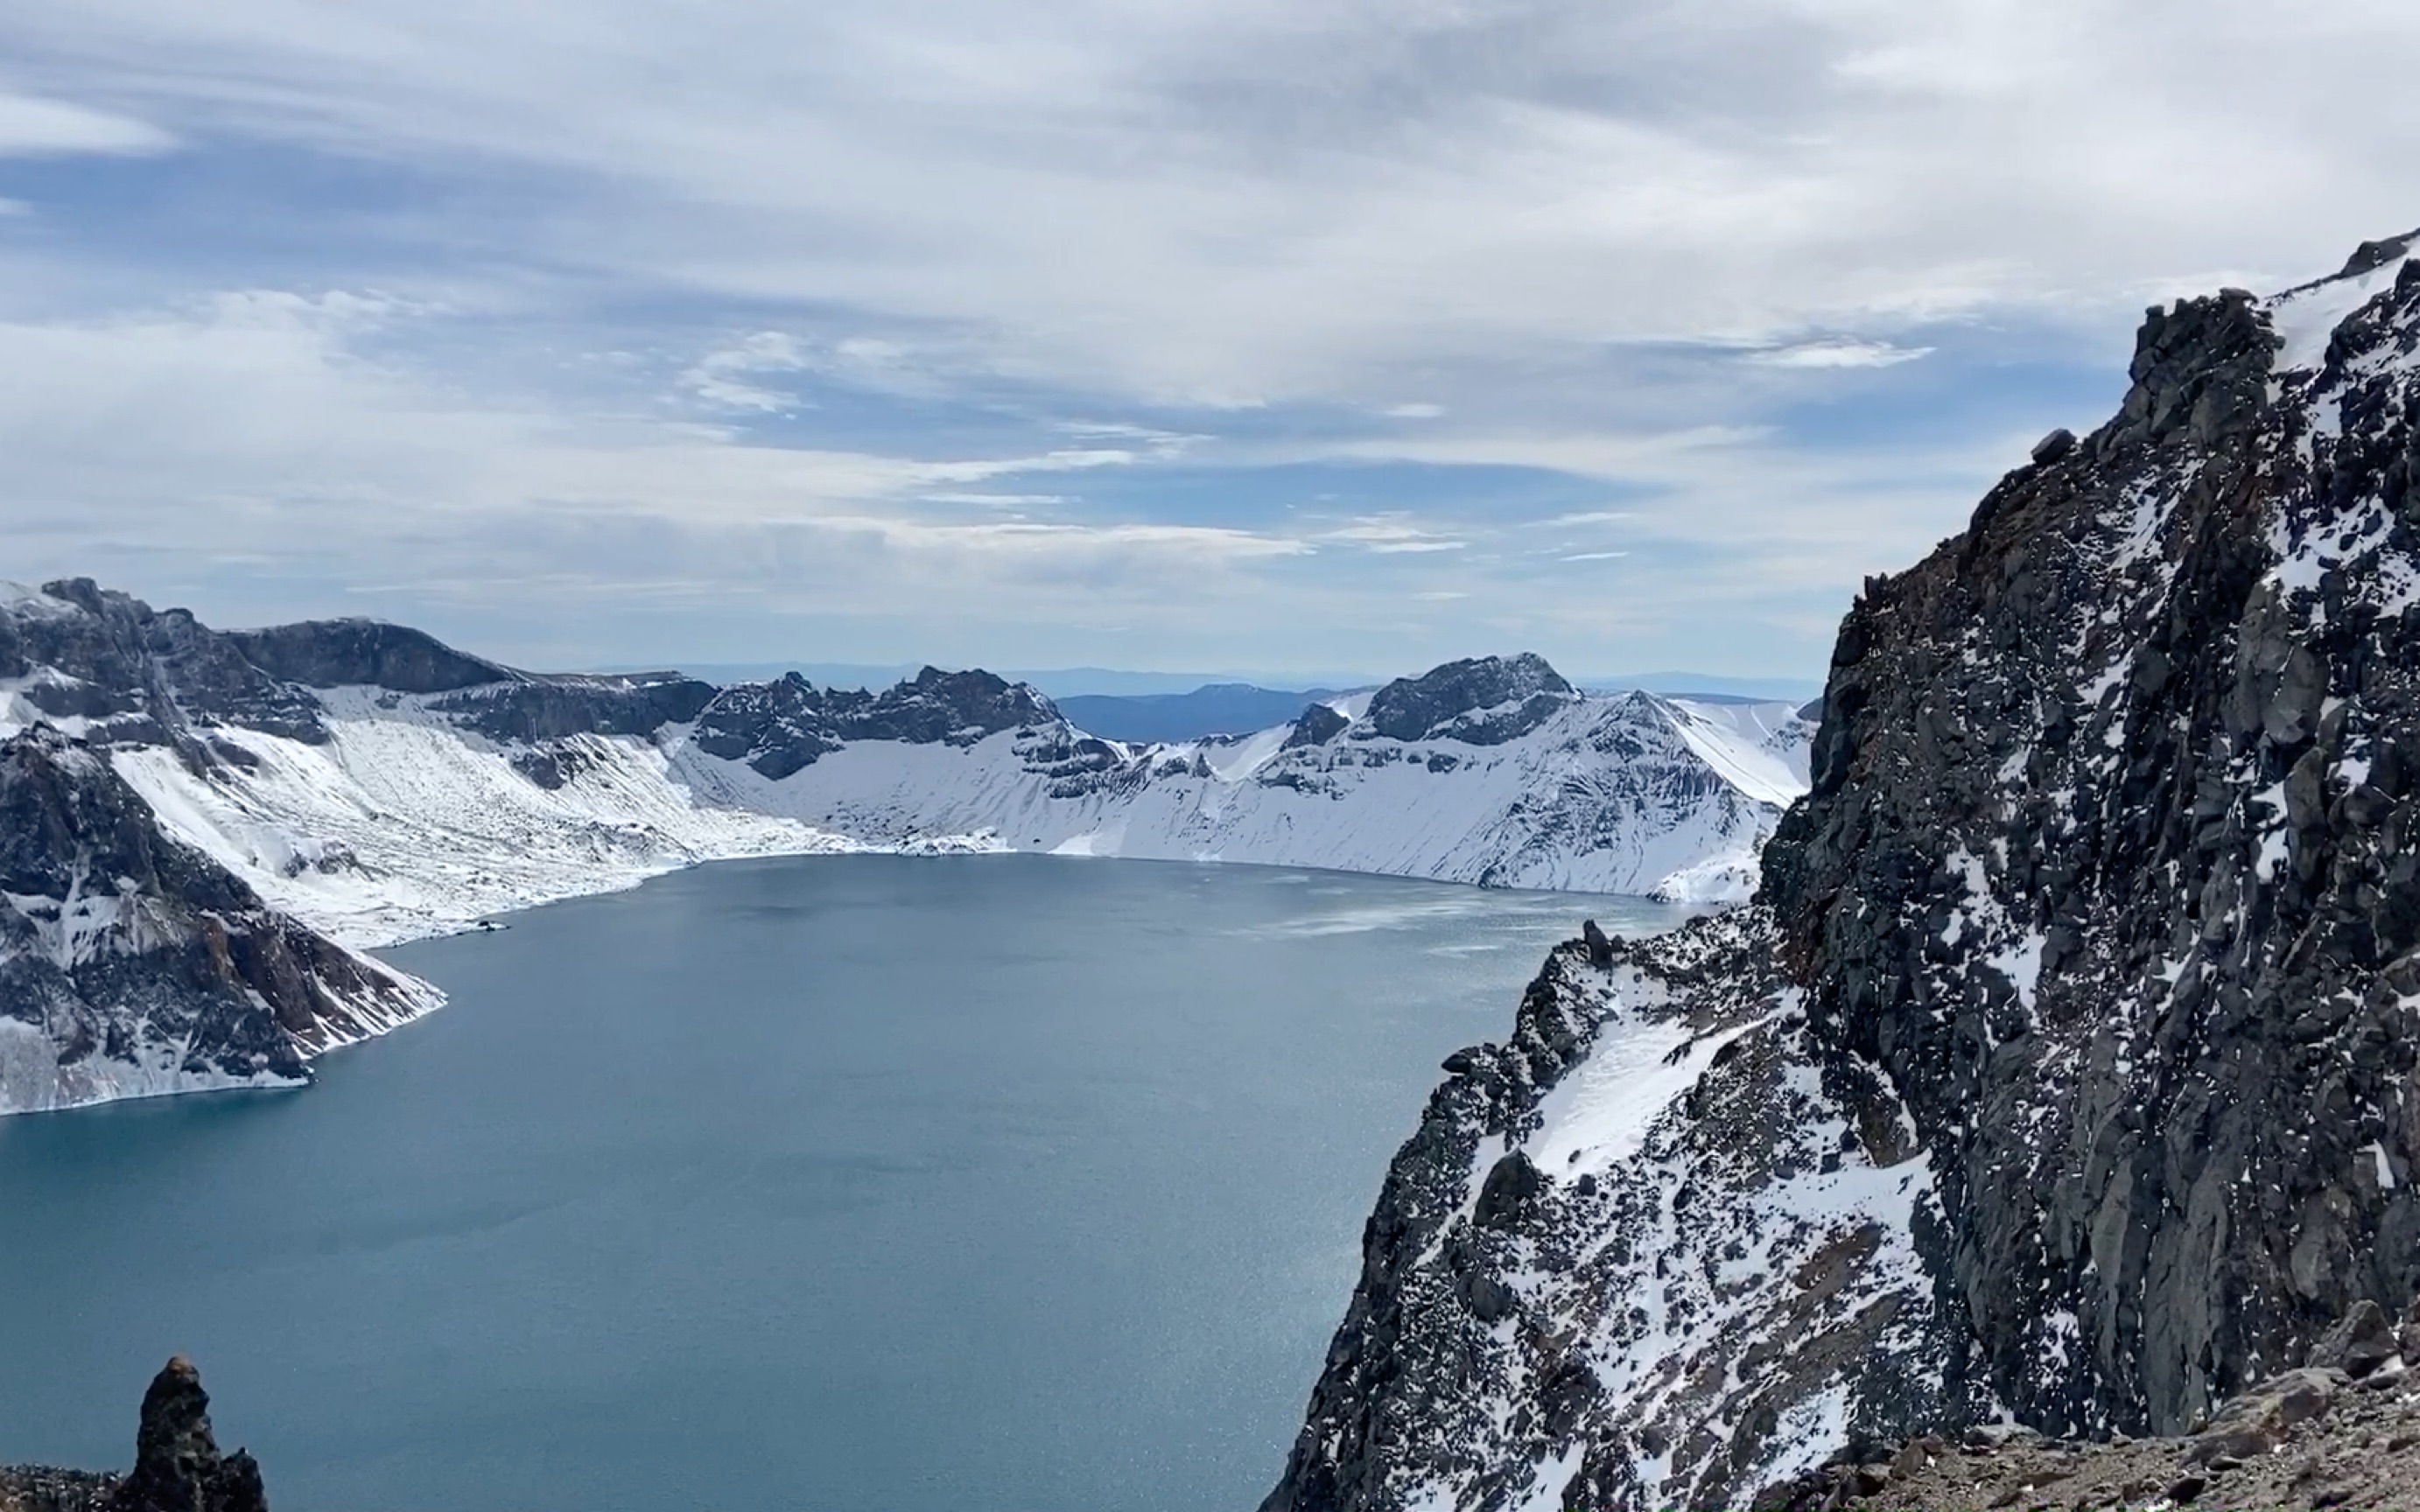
1473,268
33,127
1840,354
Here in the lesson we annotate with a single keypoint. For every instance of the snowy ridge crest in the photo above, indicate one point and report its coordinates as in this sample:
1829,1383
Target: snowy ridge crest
379,785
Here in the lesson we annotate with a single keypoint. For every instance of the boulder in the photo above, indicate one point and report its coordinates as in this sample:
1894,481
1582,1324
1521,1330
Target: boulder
2357,1343
2255,1423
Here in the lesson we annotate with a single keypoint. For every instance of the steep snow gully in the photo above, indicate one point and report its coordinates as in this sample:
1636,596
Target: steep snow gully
366,783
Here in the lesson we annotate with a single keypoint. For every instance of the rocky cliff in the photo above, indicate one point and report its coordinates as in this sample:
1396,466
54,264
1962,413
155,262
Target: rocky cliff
2063,1068
132,964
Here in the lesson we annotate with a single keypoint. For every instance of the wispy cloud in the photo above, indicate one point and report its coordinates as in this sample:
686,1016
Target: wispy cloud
999,500
1391,535
806,303
723,378
32,126
1840,353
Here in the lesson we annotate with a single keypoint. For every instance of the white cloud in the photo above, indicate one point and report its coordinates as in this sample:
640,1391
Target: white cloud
1210,200
722,378
1840,353
999,500
32,126
1391,535
1534,216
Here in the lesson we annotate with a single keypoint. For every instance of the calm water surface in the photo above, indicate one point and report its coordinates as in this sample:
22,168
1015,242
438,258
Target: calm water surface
867,1183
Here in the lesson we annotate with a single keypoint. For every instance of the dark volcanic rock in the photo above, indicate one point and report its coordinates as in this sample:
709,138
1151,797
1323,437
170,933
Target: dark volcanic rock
1600,948
2358,1343
1483,701
2132,752
1317,725
364,653
2055,445
137,962
177,1466
140,676
2096,941
532,709
782,726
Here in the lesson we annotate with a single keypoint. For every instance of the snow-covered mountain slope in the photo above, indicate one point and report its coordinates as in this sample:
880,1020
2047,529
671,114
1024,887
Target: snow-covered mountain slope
400,825
132,966
380,786
451,790
2063,1068
1608,794
373,785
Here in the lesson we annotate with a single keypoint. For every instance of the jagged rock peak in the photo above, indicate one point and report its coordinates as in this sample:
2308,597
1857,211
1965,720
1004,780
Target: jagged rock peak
1482,701
177,1466
785,725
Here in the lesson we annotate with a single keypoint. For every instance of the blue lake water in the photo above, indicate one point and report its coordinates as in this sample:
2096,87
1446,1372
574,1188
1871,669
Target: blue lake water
884,1184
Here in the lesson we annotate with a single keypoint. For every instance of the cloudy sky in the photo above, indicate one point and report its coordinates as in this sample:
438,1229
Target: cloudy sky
1276,336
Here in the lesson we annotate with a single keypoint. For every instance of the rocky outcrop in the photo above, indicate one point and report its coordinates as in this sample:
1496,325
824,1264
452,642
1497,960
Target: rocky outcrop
1316,725
2087,965
365,652
779,727
531,710
130,964
178,1465
1626,1250
1482,701
2315,1436
111,668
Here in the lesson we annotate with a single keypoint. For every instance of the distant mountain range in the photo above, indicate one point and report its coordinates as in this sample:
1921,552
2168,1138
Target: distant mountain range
1063,683
260,803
